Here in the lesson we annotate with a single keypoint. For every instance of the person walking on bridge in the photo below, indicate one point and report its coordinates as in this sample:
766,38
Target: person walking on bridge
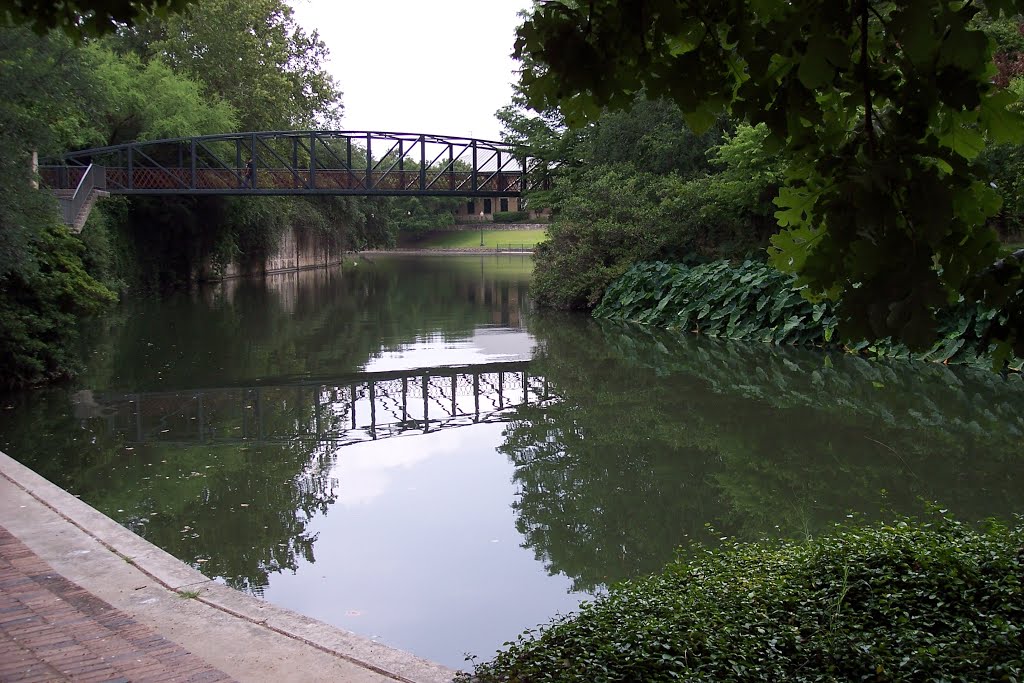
250,168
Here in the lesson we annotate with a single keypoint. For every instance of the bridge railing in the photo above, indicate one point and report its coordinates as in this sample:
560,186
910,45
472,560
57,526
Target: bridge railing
286,181
61,177
289,180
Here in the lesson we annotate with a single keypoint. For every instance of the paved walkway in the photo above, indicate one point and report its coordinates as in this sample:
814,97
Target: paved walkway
54,630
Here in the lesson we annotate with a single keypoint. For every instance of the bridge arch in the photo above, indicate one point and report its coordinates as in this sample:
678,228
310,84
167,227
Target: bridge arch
311,162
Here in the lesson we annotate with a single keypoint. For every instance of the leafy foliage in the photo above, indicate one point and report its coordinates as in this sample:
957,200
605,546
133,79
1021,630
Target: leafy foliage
756,302
610,221
652,136
899,601
79,18
41,305
1006,34
45,286
880,109
752,301
254,55
613,215
46,85
146,100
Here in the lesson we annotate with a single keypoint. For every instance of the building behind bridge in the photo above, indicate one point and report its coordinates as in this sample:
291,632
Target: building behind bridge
482,209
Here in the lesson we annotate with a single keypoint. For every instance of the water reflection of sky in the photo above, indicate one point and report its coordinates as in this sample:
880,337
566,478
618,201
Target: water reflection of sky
421,543
485,345
625,443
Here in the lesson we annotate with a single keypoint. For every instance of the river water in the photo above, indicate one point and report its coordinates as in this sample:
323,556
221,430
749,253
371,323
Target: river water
404,448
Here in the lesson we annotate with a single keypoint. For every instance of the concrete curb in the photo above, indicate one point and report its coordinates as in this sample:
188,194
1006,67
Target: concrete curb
62,530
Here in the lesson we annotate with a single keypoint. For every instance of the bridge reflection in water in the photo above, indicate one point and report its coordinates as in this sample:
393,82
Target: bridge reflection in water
337,411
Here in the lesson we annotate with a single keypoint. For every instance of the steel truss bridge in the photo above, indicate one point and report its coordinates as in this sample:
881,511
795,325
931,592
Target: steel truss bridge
335,412
301,163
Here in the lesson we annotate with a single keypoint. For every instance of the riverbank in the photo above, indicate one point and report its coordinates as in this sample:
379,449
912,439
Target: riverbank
755,302
235,633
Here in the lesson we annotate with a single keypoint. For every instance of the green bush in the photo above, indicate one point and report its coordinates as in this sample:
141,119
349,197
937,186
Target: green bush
753,301
612,217
40,309
510,216
901,601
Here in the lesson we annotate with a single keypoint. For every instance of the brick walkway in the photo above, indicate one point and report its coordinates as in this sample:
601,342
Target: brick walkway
53,630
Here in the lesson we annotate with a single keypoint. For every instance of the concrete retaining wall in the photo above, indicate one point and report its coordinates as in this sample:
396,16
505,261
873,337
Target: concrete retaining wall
297,249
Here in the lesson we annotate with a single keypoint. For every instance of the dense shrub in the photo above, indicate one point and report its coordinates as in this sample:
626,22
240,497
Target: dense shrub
610,217
756,302
510,216
654,136
41,305
891,602
608,224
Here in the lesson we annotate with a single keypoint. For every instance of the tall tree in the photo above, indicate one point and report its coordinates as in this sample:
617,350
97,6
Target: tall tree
139,100
254,55
881,107
46,86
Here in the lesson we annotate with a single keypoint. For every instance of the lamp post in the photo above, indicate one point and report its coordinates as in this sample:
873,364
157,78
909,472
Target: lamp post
481,228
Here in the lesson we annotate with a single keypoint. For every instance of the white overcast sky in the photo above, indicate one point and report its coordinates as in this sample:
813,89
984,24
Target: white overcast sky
441,67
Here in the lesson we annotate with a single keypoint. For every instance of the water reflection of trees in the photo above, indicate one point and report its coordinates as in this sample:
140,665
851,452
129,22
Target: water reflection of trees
231,478
658,434
242,510
315,322
654,435
239,513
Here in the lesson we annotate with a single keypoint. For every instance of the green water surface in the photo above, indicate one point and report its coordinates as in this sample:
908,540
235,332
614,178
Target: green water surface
403,447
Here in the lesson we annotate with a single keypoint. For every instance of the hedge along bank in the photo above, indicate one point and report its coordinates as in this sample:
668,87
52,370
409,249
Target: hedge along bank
753,301
900,601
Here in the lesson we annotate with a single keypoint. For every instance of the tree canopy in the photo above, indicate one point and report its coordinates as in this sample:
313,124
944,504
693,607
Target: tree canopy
221,66
881,110
85,17
254,55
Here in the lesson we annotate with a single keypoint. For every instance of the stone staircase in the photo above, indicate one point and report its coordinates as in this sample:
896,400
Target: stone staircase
78,222
76,204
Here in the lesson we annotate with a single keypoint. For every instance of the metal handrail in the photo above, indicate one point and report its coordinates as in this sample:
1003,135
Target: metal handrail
520,248
94,178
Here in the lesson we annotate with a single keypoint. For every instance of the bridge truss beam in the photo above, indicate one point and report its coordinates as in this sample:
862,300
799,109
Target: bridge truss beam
362,163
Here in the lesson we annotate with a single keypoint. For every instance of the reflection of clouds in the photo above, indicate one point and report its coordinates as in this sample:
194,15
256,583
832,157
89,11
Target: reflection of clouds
505,344
487,345
365,470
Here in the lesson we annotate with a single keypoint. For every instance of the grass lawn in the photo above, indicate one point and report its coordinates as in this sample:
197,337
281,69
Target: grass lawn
460,239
